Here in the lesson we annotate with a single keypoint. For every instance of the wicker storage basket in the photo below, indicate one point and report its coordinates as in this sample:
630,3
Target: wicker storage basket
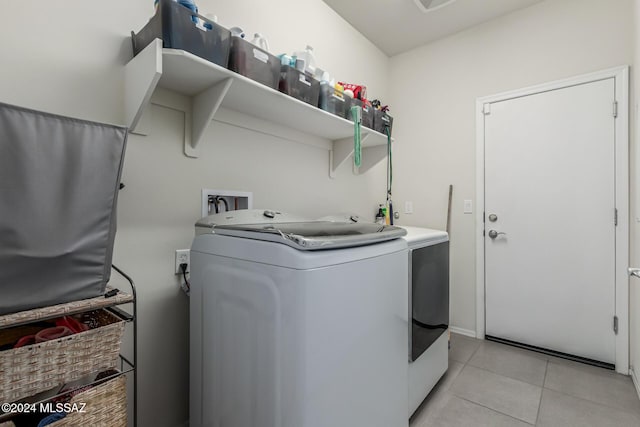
106,406
32,369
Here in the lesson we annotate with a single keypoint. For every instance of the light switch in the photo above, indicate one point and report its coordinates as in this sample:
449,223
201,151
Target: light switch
408,207
468,207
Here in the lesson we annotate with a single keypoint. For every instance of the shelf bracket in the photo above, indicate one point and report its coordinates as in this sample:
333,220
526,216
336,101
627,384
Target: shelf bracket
142,75
203,108
341,151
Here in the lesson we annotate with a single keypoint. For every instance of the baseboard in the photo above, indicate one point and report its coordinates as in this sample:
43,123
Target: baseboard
462,331
635,379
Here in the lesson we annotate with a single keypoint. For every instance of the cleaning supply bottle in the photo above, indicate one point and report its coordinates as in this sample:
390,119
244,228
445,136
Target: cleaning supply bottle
380,216
260,41
387,215
309,59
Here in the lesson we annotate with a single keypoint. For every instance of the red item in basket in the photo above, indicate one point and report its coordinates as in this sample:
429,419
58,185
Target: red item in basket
54,333
27,340
359,91
71,323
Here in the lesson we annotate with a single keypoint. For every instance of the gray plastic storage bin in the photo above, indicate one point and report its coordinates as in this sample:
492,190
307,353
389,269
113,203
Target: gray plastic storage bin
174,25
332,102
353,102
255,63
59,182
367,112
299,85
367,115
381,121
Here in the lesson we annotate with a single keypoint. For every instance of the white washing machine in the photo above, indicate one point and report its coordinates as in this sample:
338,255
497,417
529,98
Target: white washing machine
297,324
428,284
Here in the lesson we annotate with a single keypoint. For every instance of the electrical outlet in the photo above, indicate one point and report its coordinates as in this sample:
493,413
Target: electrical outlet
182,257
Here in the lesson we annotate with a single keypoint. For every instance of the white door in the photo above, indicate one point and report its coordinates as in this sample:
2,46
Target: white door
550,188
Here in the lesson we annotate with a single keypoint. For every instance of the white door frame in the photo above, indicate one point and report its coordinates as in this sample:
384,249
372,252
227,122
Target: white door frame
621,76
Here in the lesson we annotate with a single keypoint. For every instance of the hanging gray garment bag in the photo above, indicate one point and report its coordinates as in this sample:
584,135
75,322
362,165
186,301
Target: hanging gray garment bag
59,182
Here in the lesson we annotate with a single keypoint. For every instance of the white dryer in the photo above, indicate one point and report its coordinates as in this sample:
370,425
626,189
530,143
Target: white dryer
428,310
297,324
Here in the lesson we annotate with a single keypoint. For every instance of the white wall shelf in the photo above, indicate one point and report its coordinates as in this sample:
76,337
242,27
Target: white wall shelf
211,90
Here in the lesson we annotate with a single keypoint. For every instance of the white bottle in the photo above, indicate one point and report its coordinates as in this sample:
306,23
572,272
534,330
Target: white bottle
309,60
260,41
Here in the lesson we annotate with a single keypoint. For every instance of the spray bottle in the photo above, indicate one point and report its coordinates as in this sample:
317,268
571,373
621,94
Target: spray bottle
380,215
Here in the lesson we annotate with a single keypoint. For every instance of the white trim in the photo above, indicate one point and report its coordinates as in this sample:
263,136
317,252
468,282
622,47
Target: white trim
621,76
634,378
480,296
462,331
622,231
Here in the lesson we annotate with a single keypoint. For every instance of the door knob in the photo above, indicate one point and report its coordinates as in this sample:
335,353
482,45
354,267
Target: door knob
493,233
634,272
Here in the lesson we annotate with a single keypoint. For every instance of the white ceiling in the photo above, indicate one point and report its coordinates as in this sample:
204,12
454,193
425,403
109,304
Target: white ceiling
396,26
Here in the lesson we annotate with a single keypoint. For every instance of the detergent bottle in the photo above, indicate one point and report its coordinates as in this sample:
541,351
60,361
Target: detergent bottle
260,41
309,59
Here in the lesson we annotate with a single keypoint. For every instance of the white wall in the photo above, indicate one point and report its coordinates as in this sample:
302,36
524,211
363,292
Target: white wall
433,92
67,58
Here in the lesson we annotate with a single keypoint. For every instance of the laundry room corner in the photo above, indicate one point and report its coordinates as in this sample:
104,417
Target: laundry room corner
437,142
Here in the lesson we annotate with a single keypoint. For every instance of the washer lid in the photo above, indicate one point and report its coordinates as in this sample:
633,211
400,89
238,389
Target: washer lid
247,216
314,235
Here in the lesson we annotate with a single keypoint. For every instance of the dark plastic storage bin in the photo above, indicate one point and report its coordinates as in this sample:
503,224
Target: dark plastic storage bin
367,112
367,115
299,85
352,102
382,120
251,61
332,102
173,24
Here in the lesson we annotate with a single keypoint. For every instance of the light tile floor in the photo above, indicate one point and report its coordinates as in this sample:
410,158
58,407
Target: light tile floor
496,385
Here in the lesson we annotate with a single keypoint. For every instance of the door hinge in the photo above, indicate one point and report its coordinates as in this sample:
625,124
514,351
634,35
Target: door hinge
486,109
615,109
615,324
615,217
483,220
